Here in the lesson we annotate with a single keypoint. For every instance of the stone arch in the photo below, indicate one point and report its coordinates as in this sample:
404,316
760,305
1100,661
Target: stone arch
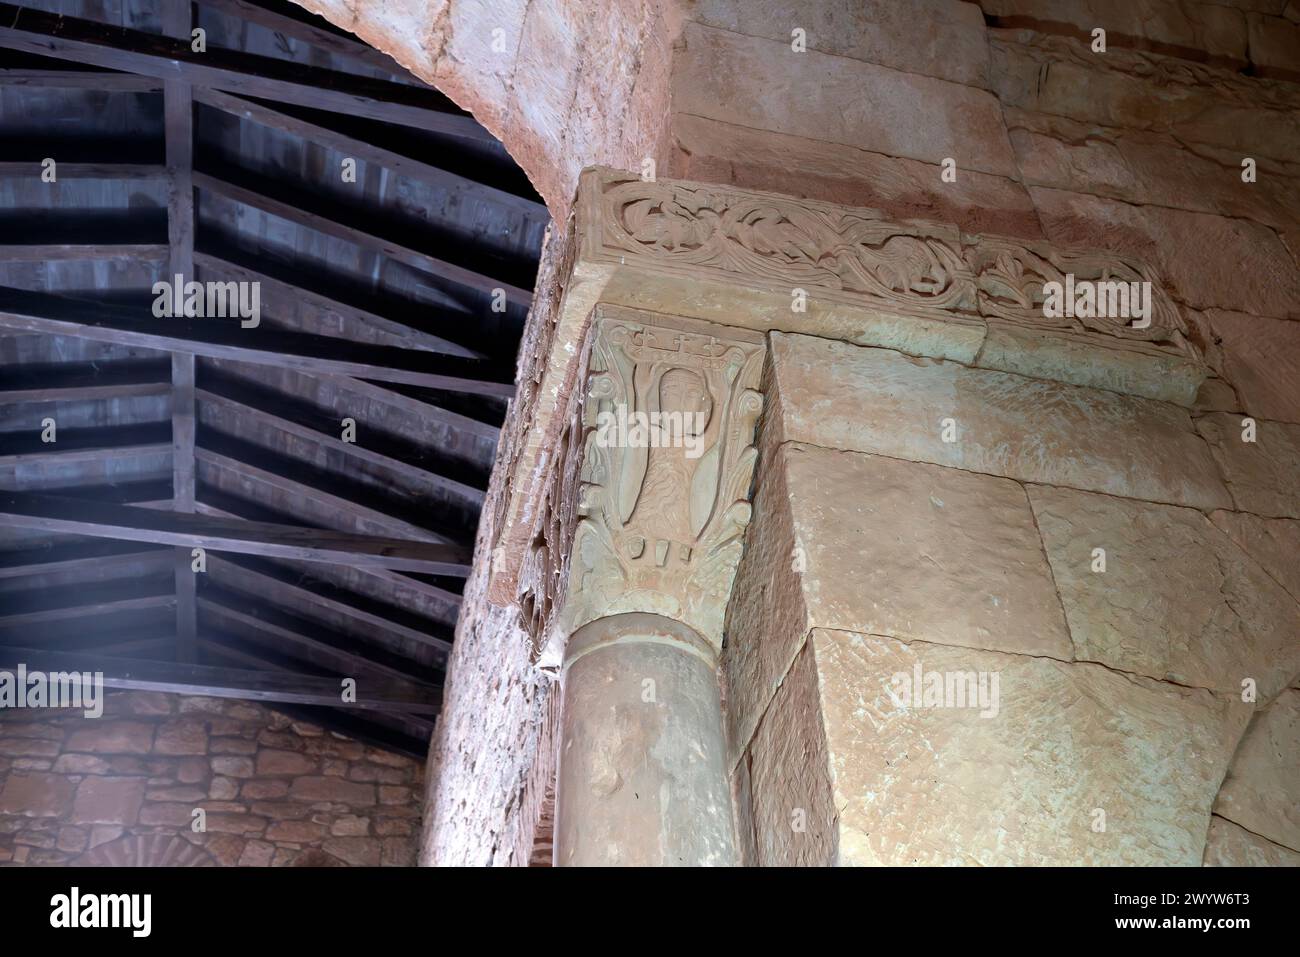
558,92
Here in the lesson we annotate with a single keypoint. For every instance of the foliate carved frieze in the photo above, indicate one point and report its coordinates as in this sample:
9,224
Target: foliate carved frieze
1014,279
667,459
789,242
856,257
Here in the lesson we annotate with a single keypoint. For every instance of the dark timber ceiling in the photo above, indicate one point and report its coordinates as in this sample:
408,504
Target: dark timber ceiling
326,558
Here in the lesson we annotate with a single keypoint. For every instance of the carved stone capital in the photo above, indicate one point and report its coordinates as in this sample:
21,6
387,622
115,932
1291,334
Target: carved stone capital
667,456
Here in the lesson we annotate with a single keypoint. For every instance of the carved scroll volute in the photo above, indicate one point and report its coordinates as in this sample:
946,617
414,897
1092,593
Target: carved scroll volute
670,415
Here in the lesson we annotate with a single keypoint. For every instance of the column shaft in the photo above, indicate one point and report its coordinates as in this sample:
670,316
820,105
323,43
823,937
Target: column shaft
642,777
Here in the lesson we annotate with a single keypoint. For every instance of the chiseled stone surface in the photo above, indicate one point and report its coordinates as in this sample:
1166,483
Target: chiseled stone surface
1229,845
940,38
490,732
108,800
872,544
36,794
767,618
943,785
912,550
873,400
560,91
1218,31
1065,357
713,151
1196,102
1212,261
1262,789
1275,46
565,95
741,799
1139,166
766,85
1216,395
1178,599
642,779
1264,475
1261,358
1273,542
794,810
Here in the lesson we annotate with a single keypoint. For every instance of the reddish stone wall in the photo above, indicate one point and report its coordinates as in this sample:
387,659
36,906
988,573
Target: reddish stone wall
121,789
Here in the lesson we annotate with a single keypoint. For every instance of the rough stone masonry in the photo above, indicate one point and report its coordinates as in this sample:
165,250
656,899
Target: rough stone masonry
122,790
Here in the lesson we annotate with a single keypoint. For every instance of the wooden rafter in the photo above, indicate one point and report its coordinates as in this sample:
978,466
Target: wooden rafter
304,482
27,611
226,339
69,556
80,79
226,682
413,463
70,382
349,145
219,268
50,513
217,504
50,252
312,213
299,29
318,644
266,577
178,124
15,169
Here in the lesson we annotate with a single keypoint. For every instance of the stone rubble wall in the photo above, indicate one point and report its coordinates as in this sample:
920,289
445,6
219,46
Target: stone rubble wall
1138,151
121,789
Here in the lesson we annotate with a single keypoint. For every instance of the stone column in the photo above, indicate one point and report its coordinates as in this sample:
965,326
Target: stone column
661,508
643,774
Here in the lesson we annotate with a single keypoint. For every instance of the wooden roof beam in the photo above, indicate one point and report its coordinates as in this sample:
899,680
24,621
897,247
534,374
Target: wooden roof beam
226,339
179,678
310,212
55,514
399,163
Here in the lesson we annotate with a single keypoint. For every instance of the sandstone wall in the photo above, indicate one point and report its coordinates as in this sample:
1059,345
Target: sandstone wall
879,548
121,789
1136,150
